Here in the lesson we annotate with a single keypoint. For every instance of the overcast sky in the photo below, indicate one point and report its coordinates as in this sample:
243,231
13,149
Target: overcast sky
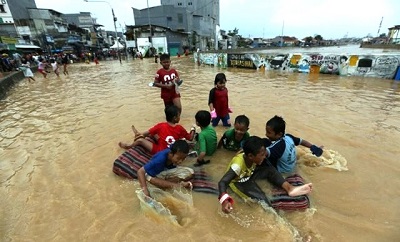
263,18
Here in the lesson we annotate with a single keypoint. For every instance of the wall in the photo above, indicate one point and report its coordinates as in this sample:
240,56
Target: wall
380,66
6,83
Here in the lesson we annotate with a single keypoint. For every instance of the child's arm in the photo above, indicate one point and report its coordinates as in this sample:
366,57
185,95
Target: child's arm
211,99
317,151
224,199
167,86
165,184
142,180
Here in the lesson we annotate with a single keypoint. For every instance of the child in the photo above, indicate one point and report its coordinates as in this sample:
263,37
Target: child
164,160
233,138
243,171
26,68
167,78
42,66
54,65
218,102
282,152
166,133
65,62
207,138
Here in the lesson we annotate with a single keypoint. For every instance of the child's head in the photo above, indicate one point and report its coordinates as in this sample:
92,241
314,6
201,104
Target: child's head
275,128
203,118
165,61
241,126
254,149
179,152
172,114
220,80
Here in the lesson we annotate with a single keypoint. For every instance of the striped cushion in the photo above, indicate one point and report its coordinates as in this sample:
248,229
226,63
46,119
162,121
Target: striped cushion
281,200
128,163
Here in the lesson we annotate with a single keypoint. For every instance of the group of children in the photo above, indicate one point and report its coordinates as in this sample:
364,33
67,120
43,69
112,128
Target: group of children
257,158
44,64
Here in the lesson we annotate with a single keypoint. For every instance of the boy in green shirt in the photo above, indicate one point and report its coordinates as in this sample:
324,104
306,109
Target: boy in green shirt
206,139
233,138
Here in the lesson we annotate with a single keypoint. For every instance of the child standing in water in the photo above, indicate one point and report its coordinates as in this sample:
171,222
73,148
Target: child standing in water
218,102
65,62
167,79
54,65
42,67
26,68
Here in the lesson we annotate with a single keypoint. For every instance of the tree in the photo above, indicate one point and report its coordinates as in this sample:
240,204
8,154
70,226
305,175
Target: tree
308,39
318,37
233,32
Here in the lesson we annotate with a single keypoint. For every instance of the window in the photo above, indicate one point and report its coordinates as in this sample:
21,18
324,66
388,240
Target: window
180,18
179,4
189,3
2,9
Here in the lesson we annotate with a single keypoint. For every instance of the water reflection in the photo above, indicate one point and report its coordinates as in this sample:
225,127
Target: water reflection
58,140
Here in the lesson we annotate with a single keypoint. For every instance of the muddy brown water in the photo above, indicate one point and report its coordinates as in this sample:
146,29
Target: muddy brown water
58,141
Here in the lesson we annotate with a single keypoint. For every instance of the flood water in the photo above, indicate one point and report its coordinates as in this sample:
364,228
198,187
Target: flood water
59,138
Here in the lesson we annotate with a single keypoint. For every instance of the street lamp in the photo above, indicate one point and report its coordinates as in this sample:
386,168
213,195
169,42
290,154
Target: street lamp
115,26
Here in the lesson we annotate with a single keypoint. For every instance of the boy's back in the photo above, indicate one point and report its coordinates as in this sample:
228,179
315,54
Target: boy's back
167,134
207,140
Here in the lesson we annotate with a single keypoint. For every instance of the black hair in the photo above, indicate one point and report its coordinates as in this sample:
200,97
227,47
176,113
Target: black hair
242,119
171,112
253,145
277,124
203,117
219,77
164,56
180,146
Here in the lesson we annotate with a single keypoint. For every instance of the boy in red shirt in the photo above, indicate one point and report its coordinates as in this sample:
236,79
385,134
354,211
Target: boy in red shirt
166,133
168,80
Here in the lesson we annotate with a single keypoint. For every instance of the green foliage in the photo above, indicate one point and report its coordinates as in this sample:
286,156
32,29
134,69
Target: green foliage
233,32
318,37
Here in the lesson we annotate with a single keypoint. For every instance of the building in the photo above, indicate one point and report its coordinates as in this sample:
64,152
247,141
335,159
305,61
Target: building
197,20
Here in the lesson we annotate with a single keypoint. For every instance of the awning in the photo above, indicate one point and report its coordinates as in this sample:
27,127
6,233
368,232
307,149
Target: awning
27,47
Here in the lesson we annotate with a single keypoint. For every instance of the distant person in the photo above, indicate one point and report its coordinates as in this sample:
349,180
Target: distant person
233,138
65,61
42,67
207,139
243,171
55,68
168,80
164,161
166,133
26,69
281,147
218,102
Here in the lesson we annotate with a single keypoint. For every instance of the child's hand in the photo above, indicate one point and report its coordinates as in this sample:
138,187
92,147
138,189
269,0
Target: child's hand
317,151
227,207
187,184
213,114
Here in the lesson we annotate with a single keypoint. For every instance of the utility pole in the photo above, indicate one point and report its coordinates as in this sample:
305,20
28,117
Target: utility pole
115,25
